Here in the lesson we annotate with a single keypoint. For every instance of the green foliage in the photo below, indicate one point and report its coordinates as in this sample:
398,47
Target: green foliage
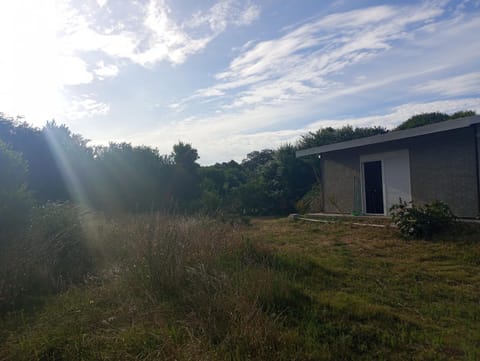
122,177
15,200
54,156
423,119
331,135
128,178
266,182
292,179
72,163
431,118
257,159
184,155
52,255
278,180
463,114
415,221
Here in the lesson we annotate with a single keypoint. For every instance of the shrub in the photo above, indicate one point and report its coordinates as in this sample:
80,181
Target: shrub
415,221
59,236
53,254
15,200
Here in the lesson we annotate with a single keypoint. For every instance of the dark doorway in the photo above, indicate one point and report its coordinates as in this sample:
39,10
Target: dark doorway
373,187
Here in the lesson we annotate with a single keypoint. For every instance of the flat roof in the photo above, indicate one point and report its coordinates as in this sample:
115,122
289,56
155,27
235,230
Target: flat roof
393,135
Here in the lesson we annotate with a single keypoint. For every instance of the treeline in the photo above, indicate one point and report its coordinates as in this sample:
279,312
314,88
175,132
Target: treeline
53,164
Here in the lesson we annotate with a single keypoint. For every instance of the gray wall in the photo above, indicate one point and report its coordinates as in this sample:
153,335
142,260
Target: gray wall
442,167
339,172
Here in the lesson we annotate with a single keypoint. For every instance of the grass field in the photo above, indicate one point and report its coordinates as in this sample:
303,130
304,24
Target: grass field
197,289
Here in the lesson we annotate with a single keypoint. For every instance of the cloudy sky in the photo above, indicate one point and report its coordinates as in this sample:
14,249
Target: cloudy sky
234,76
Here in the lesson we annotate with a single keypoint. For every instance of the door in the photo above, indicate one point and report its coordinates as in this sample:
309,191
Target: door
386,180
373,187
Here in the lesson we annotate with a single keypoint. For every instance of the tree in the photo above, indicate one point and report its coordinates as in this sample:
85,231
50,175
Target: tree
431,118
128,178
422,119
463,114
15,201
54,155
185,180
331,135
71,160
294,176
185,156
257,159
219,183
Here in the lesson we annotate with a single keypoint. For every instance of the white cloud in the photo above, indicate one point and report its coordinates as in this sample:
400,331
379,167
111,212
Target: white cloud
456,85
223,13
101,3
73,71
303,62
157,36
51,45
169,40
282,83
328,68
222,138
84,107
105,71
248,16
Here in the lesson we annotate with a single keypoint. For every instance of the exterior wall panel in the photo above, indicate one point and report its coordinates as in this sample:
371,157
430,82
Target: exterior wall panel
444,168
340,170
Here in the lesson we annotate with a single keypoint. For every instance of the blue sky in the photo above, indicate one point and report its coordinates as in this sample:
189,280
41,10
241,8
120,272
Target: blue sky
234,76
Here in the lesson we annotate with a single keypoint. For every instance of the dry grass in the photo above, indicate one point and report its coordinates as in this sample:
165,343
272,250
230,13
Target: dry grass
178,288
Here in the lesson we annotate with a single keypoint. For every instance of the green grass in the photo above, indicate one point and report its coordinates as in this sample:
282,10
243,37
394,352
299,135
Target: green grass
196,289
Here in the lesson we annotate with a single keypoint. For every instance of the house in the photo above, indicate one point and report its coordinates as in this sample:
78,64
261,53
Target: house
434,162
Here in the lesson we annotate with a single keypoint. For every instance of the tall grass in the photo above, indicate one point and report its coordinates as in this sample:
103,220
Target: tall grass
51,254
210,282
175,288
201,268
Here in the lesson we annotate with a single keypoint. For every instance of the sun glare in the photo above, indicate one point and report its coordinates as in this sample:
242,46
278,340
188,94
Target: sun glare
30,69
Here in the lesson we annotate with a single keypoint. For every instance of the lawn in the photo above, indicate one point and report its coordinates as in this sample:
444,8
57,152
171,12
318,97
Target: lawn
274,289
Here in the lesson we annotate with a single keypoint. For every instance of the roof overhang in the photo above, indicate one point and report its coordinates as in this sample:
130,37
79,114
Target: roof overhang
393,135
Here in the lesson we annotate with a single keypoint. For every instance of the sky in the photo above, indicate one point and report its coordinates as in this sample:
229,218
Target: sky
232,76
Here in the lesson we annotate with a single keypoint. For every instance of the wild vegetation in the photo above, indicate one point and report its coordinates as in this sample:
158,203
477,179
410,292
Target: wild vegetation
119,252
431,118
53,164
193,288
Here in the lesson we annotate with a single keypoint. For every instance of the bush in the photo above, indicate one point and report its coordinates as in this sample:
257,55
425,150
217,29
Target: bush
15,200
416,222
59,236
53,254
